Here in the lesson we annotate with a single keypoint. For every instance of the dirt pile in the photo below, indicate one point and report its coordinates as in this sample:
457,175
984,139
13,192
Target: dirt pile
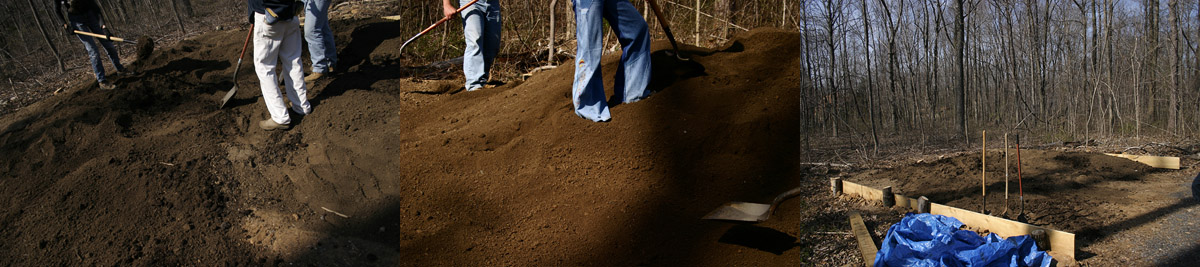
397,166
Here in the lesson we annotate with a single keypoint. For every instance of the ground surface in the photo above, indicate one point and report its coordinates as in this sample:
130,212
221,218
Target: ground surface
397,166
1114,206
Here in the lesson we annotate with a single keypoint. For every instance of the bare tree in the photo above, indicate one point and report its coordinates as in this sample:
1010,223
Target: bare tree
870,81
38,19
959,41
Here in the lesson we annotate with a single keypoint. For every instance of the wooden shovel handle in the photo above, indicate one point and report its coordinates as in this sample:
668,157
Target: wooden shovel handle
110,38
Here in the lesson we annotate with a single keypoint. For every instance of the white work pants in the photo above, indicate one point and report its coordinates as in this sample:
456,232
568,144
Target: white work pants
273,44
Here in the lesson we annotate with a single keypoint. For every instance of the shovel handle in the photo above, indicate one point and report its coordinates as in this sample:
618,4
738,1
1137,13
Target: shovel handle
246,43
785,196
110,38
665,24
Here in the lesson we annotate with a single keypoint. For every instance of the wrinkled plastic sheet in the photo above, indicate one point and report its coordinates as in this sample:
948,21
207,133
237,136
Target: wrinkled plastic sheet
935,240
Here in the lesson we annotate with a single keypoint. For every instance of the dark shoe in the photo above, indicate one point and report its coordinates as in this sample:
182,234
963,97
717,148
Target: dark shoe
271,125
107,86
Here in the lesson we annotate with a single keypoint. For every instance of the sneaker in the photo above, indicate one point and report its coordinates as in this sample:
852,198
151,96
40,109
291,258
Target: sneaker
271,125
107,86
314,76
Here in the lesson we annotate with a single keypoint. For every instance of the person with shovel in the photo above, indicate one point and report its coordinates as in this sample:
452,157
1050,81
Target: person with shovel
85,16
634,72
321,49
277,41
481,27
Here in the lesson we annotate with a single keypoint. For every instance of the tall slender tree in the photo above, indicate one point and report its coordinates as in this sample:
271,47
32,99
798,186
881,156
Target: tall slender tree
960,38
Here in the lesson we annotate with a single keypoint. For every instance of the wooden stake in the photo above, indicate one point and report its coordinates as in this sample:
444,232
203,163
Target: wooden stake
1005,174
887,197
836,184
983,178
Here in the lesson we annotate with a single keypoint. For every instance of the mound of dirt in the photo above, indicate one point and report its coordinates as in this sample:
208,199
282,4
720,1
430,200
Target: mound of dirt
395,166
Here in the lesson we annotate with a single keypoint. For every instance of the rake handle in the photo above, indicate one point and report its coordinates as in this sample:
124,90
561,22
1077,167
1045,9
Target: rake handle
435,24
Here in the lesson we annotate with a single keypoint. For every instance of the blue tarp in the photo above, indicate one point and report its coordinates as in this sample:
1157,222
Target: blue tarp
935,240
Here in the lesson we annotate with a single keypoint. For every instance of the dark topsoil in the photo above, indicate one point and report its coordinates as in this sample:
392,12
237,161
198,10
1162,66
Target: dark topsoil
397,166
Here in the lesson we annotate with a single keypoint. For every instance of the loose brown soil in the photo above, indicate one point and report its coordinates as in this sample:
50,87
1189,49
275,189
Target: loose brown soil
398,166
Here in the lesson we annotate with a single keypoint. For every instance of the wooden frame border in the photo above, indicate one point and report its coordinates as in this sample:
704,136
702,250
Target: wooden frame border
1062,244
1153,161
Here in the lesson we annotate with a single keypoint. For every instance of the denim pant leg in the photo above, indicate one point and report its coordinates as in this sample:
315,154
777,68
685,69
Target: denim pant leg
481,30
89,45
588,89
93,22
634,72
491,36
319,35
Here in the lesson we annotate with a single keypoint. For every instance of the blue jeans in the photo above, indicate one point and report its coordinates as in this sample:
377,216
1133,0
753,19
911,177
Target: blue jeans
481,27
634,72
321,48
90,22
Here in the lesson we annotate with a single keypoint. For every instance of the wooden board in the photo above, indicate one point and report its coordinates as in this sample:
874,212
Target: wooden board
1062,244
1153,161
866,245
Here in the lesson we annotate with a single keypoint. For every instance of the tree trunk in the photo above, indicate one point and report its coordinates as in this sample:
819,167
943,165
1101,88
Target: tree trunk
178,18
38,19
959,41
1151,67
1172,108
870,81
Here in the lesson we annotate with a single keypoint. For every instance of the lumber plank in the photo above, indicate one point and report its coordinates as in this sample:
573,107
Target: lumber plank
866,245
1152,161
1062,244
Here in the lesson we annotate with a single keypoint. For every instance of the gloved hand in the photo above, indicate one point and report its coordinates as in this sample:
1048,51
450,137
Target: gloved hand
107,34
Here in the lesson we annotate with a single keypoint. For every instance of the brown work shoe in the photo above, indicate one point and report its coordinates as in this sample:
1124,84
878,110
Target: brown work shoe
107,86
271,125
313,77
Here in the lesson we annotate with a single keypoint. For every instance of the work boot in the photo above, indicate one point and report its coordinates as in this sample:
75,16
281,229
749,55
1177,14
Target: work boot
107,86
271,125
314,76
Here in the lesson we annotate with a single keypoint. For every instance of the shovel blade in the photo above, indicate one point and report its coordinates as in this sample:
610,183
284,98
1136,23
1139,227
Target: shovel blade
739,212
228,96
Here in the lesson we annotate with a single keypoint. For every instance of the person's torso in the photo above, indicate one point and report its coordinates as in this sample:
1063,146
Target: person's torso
282,9
77,7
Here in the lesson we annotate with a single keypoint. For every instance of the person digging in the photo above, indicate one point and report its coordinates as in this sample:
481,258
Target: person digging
277,41
85,16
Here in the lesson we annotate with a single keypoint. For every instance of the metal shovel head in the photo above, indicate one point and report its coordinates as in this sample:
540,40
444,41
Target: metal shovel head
739,212
228,96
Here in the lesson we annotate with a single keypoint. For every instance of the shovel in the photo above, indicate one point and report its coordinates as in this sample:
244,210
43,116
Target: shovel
666,28
745,212
435,24
233,91
144,45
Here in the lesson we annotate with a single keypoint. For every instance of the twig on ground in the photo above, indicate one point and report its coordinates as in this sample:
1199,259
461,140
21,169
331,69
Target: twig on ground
335,213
